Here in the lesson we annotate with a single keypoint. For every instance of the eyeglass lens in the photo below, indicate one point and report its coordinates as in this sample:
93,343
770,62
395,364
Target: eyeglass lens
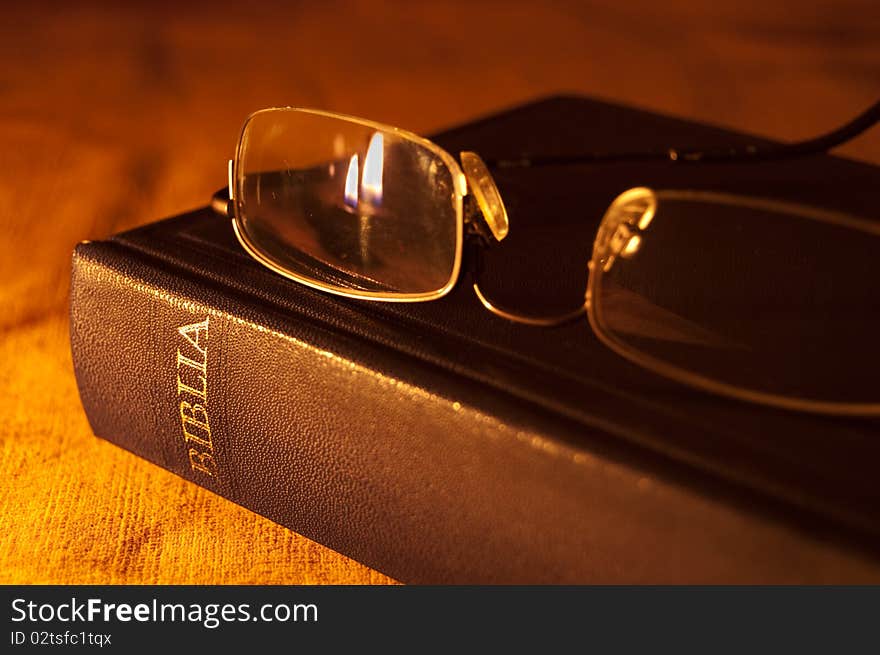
747,296
347,205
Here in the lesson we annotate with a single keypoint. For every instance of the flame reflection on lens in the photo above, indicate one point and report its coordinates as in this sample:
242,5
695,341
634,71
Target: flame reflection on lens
371,185
351,183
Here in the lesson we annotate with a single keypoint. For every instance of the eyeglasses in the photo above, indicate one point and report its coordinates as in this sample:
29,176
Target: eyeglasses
725,293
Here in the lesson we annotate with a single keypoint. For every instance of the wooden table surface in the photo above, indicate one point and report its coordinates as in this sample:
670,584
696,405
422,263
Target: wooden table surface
114,117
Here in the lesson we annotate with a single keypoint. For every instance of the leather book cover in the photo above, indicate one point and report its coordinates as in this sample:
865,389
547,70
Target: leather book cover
439,443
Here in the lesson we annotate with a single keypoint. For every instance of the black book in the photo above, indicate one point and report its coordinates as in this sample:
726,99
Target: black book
441,444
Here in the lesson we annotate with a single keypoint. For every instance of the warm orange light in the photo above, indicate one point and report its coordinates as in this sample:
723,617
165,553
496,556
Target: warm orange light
632,246
371,185
351,183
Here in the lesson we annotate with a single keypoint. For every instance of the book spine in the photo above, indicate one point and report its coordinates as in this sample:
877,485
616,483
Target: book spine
353,447
422,487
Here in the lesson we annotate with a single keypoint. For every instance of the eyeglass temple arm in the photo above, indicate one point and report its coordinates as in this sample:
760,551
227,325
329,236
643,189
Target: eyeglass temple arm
220,201
816,145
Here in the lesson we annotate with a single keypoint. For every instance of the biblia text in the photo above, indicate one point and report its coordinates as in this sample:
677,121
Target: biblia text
192,394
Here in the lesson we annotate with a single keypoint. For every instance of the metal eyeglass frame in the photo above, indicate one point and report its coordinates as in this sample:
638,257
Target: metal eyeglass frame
482,220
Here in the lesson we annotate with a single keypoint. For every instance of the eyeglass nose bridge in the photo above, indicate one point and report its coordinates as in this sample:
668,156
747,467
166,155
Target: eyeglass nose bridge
621,229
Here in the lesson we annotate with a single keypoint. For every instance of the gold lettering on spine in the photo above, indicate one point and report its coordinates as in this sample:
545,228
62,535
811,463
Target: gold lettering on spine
202,462
192,394
194,429
202,390
187,332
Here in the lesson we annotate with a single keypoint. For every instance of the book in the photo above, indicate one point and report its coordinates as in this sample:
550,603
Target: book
441,444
